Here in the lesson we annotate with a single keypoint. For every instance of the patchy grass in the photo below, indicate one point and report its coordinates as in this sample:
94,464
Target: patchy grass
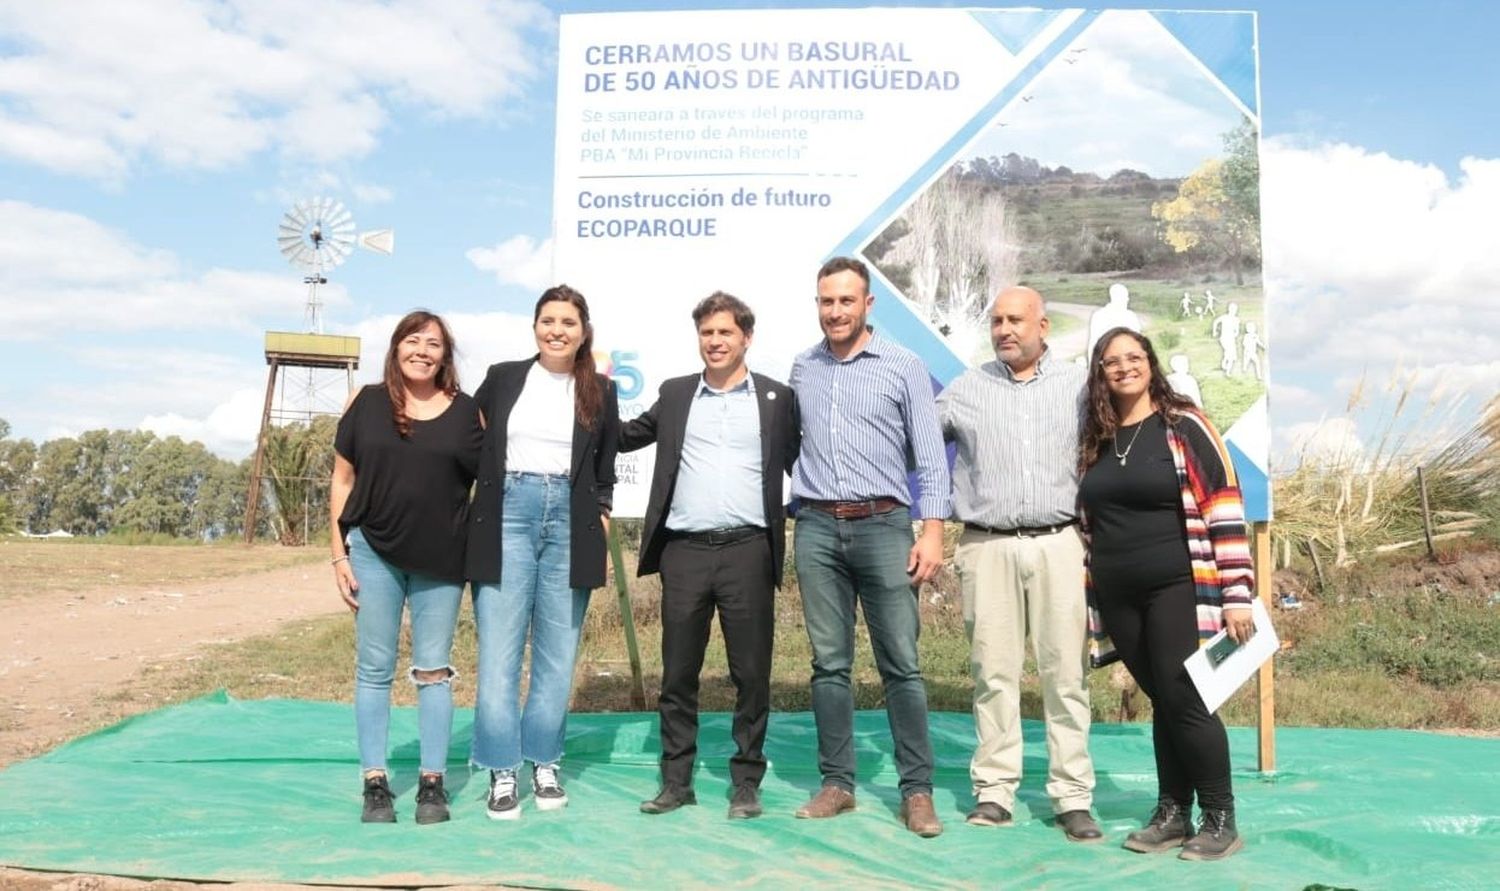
1400,644
40,567
1419,655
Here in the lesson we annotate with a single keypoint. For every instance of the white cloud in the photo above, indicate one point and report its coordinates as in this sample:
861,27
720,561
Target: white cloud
1133,99
1381,264
518,260
225,79
1333,442
369,193
61,271
229,430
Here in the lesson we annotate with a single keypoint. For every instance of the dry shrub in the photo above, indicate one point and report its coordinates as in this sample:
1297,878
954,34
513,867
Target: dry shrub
1353,502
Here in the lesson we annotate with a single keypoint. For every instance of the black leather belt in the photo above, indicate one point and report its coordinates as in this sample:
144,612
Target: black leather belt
1021,531
728,535
854,510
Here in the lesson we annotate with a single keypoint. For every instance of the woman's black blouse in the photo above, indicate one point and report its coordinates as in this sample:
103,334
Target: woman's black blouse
1137,536
411,495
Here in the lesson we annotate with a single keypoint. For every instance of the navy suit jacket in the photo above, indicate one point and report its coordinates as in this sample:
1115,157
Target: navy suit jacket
665,424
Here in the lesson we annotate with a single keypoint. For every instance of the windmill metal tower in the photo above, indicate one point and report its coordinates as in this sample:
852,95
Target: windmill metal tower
311,372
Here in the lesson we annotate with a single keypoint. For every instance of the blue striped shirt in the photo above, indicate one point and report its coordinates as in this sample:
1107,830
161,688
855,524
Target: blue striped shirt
1017,462
866,421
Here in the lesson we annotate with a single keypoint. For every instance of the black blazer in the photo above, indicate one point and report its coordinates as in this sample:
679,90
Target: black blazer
665,424
593,478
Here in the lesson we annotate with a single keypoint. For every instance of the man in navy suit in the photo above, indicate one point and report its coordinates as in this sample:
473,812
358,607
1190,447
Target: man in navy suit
715,530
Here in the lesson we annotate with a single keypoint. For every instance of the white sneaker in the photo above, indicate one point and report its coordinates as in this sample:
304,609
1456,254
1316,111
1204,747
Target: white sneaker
504,803
546,789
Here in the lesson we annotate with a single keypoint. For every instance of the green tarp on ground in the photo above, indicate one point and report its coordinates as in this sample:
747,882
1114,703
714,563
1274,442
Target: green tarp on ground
219,789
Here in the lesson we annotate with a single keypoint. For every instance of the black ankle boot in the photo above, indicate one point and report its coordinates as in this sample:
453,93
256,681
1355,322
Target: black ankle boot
1216,838
1169,826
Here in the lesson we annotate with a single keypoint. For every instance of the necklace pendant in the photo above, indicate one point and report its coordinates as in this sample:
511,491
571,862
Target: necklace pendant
1122,460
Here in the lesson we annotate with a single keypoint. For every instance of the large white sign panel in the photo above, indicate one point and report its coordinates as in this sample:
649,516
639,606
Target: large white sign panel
954,150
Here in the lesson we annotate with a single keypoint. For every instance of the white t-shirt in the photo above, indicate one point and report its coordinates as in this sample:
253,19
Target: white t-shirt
539,434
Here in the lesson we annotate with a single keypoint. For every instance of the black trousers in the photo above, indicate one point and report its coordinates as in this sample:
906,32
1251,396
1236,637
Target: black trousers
1155,630
736,579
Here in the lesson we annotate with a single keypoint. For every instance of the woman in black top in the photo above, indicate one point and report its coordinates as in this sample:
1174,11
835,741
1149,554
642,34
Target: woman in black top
1168,566
405,457
536,543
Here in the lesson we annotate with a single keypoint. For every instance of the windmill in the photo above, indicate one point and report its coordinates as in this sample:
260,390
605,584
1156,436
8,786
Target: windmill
315,235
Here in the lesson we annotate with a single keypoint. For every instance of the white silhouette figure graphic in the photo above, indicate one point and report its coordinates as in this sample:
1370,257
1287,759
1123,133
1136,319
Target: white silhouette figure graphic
1187,305
1250,345
1227,329
1208,302
1116,314
1181,380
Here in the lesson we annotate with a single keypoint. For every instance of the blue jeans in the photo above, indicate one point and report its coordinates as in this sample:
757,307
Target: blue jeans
839,562
533,597
383,591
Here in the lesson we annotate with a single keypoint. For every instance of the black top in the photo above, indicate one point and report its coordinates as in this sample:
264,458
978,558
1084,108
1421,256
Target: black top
1136,524
411,496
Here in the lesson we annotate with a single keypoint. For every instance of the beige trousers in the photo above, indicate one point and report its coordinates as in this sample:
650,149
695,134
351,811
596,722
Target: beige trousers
1013,587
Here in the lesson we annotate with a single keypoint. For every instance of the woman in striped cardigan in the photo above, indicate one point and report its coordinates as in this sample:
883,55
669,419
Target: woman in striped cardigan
1168,567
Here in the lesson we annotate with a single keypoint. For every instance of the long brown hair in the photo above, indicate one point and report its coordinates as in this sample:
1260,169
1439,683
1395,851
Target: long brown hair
588,391
1101,421
446,378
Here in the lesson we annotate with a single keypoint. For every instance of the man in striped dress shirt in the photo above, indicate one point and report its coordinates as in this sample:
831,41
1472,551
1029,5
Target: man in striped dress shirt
1016,422
867,416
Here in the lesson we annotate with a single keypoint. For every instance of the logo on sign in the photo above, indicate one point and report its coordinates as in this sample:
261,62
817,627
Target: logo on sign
619,365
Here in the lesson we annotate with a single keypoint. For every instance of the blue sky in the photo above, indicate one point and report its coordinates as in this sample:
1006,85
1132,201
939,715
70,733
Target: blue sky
148,150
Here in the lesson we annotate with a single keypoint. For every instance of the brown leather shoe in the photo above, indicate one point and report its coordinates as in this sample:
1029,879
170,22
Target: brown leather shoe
830,801
918,815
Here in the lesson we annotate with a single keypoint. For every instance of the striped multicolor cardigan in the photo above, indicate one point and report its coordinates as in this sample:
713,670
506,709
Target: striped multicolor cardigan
1218,544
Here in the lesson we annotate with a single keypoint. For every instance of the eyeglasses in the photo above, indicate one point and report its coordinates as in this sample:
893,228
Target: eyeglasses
1115,363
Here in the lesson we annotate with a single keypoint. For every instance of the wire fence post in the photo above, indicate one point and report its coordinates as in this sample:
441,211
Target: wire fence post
1265,679
627,619
1426,514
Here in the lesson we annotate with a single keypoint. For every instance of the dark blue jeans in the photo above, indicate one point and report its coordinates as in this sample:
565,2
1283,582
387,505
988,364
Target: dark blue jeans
840,562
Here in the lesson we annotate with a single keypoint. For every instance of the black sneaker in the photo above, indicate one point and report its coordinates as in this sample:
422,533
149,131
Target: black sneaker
432,801
504,802
379,808
546,788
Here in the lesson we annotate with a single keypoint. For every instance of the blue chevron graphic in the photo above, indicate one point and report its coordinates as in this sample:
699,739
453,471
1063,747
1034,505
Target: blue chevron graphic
890,312
1015,28
1224,42
1255,486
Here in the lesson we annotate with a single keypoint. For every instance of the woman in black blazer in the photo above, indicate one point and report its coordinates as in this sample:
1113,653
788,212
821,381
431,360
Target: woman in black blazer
536,543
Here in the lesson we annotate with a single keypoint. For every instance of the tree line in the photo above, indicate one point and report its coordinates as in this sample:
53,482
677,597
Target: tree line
134,482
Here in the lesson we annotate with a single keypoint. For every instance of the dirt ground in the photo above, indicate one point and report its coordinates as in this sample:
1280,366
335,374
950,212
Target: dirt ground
66,651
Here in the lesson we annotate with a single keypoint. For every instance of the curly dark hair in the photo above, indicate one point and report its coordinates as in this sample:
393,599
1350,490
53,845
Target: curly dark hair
1101,420
446,378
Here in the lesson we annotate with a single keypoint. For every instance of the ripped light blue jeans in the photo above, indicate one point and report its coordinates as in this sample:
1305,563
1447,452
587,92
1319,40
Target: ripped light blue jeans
383,592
